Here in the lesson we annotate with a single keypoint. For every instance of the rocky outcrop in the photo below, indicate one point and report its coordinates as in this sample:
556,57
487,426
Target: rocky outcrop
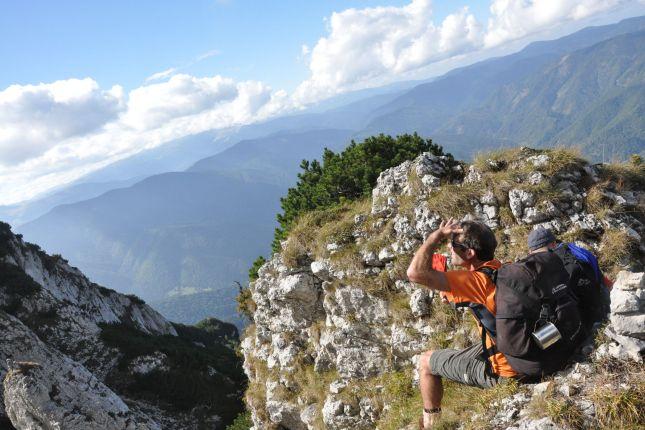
627,321
339,314
50,390
75,352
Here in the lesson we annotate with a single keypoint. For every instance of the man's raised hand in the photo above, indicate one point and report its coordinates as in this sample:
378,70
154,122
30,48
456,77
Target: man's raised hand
449,227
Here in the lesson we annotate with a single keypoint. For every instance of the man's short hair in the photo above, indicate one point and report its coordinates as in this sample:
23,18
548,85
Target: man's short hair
480,238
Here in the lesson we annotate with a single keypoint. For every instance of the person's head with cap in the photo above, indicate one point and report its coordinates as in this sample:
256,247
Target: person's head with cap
541,240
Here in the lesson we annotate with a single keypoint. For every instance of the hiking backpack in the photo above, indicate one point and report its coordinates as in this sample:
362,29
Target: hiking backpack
529,294
585,279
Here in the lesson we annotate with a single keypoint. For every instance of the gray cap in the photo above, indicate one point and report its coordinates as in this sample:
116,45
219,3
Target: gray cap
540,237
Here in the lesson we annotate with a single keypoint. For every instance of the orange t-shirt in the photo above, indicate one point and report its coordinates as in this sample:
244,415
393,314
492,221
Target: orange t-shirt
476,287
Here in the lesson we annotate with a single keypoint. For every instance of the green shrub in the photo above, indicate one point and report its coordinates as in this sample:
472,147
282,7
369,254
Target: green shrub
242,422
15,282
208,376
253,271
348,175
245,303
5,236
136,299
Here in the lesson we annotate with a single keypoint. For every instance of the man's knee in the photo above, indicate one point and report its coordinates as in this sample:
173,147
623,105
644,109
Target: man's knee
424,363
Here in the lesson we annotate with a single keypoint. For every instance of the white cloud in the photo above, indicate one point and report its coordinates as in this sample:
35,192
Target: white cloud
54,133
161,75
181,95
71,133
373,46
165,74
35,118
513,19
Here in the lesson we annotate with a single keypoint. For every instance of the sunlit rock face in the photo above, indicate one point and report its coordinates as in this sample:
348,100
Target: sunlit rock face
337,318
58,371
53,391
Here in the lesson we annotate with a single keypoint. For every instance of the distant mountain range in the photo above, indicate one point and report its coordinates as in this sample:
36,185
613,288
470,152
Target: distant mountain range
584,89
199,229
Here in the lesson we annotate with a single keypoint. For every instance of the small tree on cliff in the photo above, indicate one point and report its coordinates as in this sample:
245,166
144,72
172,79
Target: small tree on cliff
348,175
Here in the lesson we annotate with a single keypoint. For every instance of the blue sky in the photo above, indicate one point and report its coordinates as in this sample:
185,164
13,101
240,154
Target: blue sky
86,83
123,42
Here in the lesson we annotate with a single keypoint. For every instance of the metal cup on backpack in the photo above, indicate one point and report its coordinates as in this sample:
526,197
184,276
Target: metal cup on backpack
546,335
545,332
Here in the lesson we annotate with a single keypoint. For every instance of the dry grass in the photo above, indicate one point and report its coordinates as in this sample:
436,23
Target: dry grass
620,408
378,240
314,230
624,176
454,200
512,173
255,395
399,307
381,285
513,245
573,235
314,386
501,157
400,267
472,408
597,202
615,247
562,411
453,328
403,399
562,159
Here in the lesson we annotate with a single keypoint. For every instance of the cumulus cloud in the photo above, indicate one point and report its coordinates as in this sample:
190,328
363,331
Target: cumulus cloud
52,134
513,19
372,46
35,118
181,95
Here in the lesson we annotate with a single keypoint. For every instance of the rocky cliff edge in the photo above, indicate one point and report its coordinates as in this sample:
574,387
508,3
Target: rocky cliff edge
337,326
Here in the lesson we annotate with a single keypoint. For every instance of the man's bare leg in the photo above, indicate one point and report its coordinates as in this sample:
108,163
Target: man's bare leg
431,389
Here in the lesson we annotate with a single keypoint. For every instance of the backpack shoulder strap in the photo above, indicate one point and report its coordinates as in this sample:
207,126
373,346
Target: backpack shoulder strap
485,318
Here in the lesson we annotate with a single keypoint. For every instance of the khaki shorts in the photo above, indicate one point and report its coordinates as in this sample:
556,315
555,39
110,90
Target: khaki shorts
468,366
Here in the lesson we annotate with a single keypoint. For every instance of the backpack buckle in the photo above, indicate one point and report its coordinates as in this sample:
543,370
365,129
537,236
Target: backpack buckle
545,313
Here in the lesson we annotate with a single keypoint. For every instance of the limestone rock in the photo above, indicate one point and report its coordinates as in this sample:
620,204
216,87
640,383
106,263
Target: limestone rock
518,200
147,363
624,301
630,281
545,423
473,175
45,389
338,414
541,160
285,414
320,269
334,319
421,302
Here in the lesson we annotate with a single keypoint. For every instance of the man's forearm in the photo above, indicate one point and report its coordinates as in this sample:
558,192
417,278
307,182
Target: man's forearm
422,259
420,269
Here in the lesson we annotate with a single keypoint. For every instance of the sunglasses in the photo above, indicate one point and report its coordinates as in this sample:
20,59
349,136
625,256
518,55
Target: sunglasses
457,245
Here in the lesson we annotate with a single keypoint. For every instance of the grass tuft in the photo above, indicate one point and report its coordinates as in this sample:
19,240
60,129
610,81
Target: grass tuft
615,247
624,176
618,407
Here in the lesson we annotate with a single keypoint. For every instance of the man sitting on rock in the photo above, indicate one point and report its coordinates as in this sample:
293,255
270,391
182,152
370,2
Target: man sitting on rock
472,246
